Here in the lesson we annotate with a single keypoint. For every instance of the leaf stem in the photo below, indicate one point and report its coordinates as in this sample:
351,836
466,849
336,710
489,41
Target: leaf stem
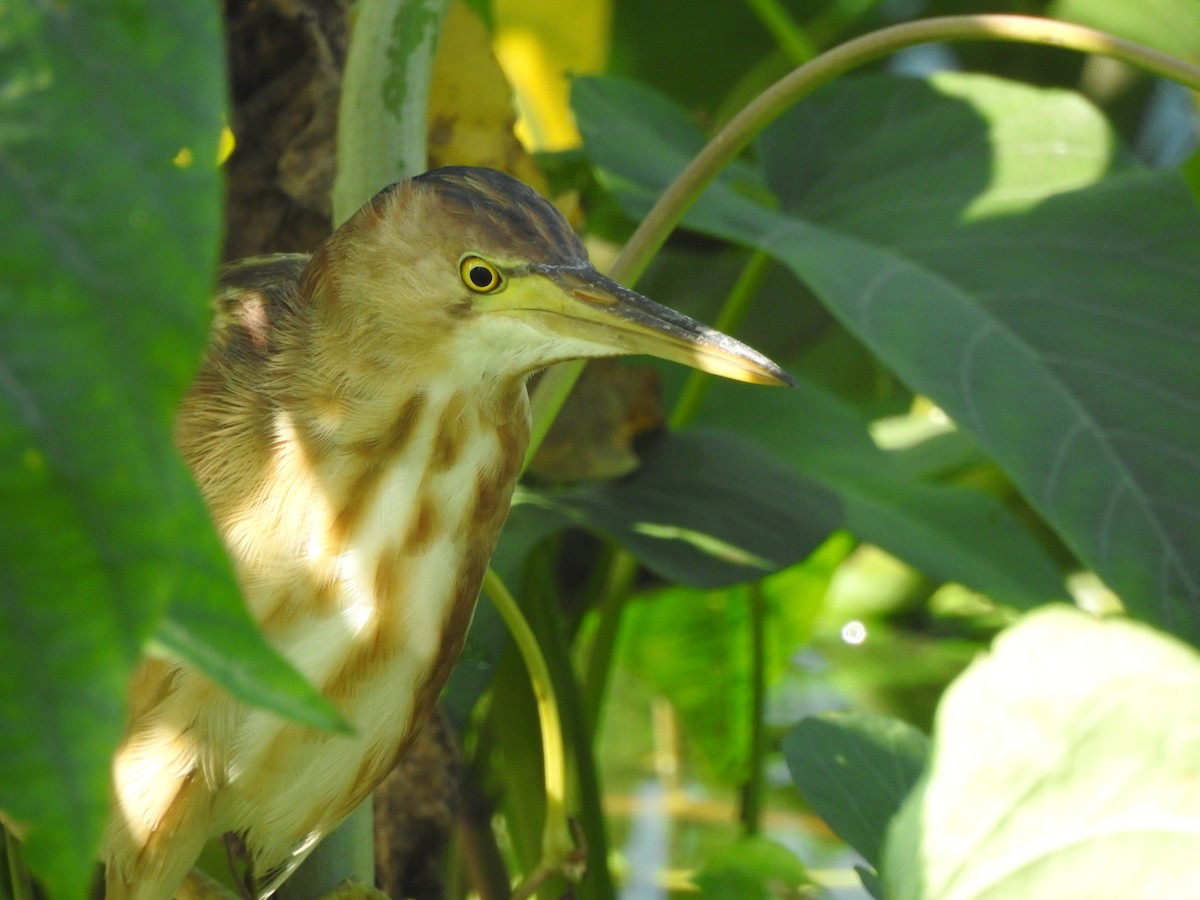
587,802
558,844
752,796
547,399
789,36
622,570
20,882
737,304
739,131
381,133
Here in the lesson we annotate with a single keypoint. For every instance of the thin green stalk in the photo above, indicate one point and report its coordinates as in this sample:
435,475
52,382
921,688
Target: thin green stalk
737,304
558,843
787,34
587,797
622,570
739,131
547,399
752,797
20,882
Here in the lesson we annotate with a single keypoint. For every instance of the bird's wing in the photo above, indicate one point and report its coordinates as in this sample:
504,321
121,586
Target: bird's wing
251,296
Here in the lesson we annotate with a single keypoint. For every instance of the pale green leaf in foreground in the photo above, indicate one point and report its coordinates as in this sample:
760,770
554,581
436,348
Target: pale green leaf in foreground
1066,763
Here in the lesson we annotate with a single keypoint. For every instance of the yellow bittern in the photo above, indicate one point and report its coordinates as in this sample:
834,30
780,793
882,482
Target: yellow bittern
357,427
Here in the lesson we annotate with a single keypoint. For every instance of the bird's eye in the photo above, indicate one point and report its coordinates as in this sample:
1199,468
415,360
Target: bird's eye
479,274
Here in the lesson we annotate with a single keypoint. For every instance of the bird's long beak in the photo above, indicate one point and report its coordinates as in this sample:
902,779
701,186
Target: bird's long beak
579,303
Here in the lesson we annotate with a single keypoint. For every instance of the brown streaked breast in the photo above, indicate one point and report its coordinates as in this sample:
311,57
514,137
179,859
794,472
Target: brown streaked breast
452,434
376,456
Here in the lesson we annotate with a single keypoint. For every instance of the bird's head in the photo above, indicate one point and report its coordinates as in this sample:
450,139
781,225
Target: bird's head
469,269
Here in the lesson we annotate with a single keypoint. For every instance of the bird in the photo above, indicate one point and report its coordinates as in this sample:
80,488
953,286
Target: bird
356,427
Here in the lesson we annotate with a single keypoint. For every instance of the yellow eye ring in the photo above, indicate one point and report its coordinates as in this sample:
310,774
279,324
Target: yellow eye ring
479,275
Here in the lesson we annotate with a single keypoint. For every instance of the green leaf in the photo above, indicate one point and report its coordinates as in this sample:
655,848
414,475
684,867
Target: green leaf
705,509
640,141
1172,26
952,533
870,881
993,245
657,44
109,215
696,648
1063,764
527,524
753,868
384,97
855,770
219,638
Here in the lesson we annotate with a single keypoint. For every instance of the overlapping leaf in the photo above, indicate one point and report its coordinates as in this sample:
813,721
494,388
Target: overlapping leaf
855,771
1172,26
952,533
705,509
995,247
1064,764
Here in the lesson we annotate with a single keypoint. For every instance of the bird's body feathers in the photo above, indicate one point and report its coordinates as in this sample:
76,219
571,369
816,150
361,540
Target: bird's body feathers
342,559
357,427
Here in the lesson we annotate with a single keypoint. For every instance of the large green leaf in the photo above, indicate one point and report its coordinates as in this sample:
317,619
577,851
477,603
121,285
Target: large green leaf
993,245
109,206
110,218
952,533
656,44
1063,764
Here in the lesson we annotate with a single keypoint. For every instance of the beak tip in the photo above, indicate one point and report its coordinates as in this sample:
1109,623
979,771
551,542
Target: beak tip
769,373
777,378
